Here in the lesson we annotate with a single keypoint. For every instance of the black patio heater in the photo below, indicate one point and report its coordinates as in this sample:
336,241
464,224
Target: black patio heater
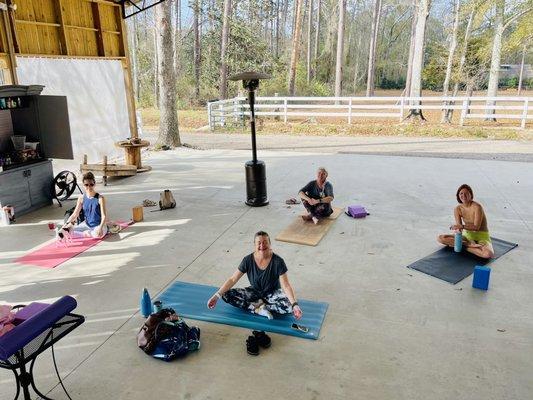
256,191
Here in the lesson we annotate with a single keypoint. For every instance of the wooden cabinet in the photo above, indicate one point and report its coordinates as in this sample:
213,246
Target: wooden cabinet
44,119
27,187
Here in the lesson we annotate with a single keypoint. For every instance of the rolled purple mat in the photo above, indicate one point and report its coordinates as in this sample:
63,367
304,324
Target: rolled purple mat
28,330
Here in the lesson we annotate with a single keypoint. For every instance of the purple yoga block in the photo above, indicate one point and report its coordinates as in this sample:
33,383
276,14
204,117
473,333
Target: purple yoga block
357,211
481,277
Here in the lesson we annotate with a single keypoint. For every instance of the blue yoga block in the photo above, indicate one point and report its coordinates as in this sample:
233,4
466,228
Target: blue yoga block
481,277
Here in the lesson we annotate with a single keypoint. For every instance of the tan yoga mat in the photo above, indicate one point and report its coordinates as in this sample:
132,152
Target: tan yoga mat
306,232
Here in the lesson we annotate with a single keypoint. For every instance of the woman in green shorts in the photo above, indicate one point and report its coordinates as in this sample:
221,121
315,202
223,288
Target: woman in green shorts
470,218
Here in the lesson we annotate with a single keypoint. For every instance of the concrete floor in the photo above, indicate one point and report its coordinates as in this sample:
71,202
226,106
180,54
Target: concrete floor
390,332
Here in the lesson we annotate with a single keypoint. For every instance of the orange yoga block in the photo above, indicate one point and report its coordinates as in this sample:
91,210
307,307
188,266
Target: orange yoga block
138,214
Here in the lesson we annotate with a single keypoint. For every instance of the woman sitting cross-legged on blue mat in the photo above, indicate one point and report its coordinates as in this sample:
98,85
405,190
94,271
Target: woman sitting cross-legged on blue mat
317,196
471,220
270,290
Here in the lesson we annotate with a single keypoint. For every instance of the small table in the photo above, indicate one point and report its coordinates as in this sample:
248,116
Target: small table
28,352
133,153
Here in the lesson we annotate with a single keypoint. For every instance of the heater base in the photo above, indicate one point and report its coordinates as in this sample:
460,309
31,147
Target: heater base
256,190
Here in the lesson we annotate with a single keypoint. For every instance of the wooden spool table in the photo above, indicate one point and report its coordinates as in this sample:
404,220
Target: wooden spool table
133,153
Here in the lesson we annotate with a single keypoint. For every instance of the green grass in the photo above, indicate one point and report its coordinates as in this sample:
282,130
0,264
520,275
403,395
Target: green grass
193,119
188,119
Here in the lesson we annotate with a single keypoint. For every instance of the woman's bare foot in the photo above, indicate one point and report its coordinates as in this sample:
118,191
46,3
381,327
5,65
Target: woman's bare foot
315,220
307,217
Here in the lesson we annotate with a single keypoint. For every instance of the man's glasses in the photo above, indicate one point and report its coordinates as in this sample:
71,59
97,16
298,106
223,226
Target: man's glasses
88,184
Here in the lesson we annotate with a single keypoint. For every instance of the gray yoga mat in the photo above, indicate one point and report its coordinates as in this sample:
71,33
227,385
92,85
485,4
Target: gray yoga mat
453,267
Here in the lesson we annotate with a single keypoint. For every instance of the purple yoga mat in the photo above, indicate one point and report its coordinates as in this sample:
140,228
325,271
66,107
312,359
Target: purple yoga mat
29,311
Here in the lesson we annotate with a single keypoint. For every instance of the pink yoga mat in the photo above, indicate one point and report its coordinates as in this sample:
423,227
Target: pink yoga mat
53,254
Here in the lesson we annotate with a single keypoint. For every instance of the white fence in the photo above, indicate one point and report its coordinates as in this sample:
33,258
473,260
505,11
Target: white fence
233,111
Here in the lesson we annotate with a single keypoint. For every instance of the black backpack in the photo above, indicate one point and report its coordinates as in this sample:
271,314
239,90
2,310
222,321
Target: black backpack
166,336
70,211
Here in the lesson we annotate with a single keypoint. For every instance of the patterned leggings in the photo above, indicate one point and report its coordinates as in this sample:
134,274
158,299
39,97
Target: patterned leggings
248,298
320,210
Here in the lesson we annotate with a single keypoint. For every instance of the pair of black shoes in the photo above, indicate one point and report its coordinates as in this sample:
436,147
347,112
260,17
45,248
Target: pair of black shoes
259,339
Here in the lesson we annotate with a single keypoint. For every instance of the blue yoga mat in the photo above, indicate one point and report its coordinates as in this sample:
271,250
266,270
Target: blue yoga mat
190,301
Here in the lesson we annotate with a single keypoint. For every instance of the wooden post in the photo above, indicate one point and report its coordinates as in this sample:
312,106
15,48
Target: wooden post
209,118
98,25
222,116
285,110
10,46
276,110
524,113
63,40
464,112
350,111
402,107
128,79
11,27
133,156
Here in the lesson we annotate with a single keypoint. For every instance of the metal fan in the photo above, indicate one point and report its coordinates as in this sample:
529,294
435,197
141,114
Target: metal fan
64,185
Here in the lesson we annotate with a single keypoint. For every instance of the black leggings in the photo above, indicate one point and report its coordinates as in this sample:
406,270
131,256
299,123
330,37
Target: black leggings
245,298
320,210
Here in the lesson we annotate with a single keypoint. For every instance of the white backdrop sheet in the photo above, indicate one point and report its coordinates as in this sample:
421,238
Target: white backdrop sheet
96,97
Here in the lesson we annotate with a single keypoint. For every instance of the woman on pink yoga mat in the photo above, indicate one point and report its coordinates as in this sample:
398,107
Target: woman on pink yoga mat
94,211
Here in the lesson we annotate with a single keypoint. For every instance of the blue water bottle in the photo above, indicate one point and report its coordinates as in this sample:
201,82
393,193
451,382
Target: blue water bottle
146,304
158,306
458,243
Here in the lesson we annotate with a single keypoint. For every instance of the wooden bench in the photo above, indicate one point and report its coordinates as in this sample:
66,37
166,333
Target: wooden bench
104,170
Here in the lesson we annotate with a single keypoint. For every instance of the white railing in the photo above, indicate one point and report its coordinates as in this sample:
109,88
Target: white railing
232,111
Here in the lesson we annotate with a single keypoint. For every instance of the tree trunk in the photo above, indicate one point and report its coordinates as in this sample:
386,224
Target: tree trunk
223,48
407,90
422,12
317,37
197,49
168,123
462,60
156,62
295,47
272,27
264,24
451,55
329,46
492,91
133,56
276,52
373,49
522,70
340,49
356,67
284,22
309,43
177,38
294,12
